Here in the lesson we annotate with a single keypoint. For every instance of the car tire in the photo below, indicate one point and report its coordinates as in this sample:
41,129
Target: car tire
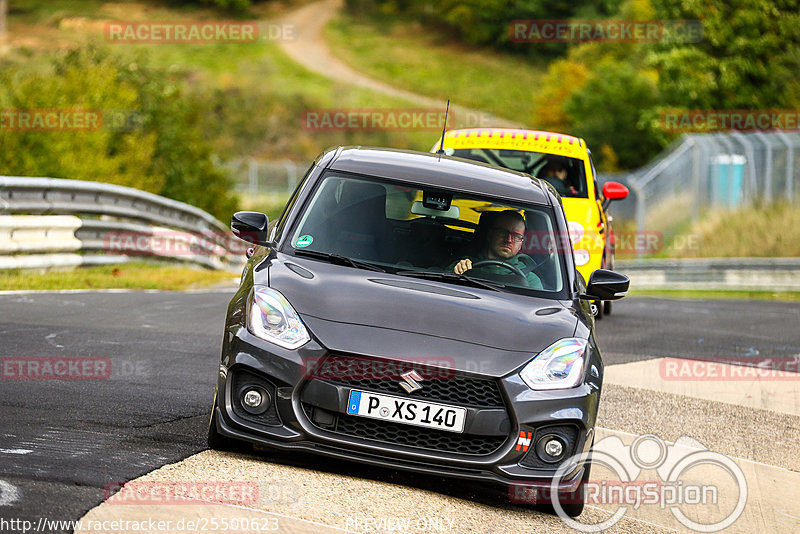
574,509
217,441
599,304
607,307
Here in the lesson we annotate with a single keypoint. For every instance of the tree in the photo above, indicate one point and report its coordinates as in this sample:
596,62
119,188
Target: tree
748,57
607,110
3,17
150,135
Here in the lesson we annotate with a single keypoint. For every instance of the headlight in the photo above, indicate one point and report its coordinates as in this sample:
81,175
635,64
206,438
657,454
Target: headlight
559,366
272,318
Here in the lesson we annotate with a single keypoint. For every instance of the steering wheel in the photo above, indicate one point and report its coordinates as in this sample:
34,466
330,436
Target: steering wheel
499,263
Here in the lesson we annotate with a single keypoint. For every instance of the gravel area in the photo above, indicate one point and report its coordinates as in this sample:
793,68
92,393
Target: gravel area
758,435
357,504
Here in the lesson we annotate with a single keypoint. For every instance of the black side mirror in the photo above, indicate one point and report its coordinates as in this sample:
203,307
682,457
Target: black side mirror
606,285
251,226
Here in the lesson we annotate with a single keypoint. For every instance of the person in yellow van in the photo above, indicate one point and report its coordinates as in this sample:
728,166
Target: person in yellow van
556,173
501,241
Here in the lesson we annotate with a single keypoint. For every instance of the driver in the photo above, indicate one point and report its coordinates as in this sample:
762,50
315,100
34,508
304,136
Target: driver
556,173
502,243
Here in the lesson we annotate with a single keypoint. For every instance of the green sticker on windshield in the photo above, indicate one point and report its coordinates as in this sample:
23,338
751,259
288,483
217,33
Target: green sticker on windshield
303,241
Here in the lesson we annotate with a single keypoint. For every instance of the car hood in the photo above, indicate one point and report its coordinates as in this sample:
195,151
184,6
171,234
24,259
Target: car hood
355,310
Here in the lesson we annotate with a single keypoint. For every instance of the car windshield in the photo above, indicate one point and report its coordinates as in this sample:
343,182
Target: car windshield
424,232
565,174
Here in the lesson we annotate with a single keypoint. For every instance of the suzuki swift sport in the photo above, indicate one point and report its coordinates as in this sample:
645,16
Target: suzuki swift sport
418,312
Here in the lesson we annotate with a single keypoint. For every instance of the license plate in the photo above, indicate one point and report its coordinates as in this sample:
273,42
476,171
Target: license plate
406,411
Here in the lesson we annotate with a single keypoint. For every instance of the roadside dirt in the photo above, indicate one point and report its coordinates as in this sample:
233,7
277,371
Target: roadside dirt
310,50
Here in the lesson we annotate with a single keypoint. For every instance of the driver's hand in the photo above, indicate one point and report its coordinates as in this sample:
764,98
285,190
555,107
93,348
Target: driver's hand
463,266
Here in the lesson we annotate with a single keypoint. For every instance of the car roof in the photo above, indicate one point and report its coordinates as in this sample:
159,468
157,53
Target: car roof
515,139
441,171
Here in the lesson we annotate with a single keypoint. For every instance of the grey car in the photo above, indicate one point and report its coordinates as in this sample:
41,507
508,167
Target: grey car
353,336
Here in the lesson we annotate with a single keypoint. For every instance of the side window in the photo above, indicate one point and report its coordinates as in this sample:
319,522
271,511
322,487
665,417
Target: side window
282,219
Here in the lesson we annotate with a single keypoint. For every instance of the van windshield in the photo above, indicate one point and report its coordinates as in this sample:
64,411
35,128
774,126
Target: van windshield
426,232
566,175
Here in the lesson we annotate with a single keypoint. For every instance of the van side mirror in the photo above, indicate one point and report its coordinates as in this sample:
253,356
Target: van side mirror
613,191
606,285
251,226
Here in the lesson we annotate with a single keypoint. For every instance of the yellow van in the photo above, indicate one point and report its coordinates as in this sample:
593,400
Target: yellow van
566,163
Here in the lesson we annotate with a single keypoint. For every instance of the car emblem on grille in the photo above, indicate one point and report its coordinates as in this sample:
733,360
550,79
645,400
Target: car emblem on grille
411,381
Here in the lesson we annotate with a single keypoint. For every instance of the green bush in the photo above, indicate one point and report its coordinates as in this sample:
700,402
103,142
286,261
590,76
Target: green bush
151,137
607,112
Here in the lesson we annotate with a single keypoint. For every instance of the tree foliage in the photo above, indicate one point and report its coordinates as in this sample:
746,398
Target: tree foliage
151,136
487,22
748,58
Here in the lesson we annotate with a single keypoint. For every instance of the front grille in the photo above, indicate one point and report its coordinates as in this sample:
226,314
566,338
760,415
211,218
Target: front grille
438,384
415,437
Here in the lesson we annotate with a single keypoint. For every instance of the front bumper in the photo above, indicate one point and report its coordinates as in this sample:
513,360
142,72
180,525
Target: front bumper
309,414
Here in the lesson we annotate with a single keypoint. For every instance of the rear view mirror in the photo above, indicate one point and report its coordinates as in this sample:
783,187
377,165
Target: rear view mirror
250,226
606,285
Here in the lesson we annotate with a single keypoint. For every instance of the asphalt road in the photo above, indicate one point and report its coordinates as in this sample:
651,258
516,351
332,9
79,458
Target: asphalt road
62,442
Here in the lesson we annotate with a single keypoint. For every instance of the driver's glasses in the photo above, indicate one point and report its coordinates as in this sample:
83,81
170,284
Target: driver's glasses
505,234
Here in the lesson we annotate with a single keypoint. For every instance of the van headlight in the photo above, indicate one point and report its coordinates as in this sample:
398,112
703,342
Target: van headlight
559,366
272,318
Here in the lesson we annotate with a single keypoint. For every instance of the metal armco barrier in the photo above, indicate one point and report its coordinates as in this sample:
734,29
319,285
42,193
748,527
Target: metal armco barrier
49,222
750,274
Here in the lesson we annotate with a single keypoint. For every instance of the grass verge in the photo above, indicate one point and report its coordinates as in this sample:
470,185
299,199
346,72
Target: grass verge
270,203
762,231
411,57
135,275
703,294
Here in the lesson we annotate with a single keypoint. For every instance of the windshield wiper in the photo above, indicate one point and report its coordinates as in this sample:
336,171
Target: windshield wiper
452,277
336,259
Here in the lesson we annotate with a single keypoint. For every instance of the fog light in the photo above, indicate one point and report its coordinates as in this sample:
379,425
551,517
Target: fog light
551,449
255,400
252,398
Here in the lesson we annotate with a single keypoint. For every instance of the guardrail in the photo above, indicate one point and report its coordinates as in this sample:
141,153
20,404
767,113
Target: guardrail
750,274
50,222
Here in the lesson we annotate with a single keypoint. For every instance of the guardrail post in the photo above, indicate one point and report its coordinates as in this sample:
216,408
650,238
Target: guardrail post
252,174
789,165
291,175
